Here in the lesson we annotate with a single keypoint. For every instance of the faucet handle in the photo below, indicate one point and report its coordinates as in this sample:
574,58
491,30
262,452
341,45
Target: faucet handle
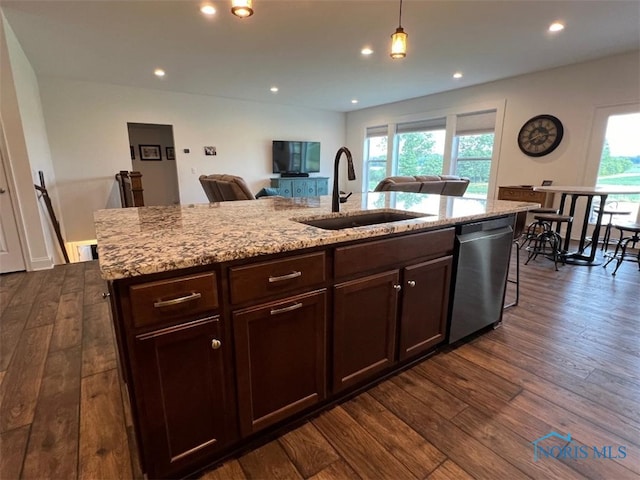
344,199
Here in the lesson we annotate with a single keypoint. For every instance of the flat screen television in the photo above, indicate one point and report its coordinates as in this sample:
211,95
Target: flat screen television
296,157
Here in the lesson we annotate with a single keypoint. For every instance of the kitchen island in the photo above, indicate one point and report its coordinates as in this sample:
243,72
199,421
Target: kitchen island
234,319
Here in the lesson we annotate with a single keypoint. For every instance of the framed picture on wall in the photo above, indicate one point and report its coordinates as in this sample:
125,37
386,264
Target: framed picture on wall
171,153
150,152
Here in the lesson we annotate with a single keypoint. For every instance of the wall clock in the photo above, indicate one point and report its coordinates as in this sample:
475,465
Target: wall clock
540,135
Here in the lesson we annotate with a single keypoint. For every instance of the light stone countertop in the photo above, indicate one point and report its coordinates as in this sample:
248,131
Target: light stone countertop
144,240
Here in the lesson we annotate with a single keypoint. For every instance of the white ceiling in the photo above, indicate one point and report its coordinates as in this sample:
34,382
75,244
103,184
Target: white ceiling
311,49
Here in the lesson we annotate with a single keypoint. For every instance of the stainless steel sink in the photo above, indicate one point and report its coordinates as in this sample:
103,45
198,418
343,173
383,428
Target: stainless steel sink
361,220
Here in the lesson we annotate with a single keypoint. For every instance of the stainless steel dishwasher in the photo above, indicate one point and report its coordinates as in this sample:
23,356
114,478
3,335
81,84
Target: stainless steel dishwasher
483,251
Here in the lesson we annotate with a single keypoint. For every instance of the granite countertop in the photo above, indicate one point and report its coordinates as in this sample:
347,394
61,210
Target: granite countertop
144,240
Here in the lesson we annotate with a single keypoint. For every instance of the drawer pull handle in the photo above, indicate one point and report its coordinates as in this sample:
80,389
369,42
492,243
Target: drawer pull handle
295,306
179,300
288,276
411,283
216,344
397,287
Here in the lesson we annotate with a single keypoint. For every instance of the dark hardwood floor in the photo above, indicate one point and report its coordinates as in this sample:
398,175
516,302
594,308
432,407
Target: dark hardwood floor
567,359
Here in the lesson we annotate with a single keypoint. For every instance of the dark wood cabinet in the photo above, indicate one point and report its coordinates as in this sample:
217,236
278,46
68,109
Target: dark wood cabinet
425,305
184,407
364,327
280,350
525,193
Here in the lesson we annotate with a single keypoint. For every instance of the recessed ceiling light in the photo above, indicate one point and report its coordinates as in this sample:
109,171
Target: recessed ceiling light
274,89
158,72
355,100
556,27
366,51
208,9
457,75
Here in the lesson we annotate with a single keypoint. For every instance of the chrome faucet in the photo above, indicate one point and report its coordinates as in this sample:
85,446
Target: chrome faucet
336,198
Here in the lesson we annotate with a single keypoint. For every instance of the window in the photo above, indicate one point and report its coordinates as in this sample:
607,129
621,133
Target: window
375,154
620,162
420,147
447,143
473,160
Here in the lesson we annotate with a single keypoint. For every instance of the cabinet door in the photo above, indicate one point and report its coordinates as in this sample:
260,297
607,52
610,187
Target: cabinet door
425,305
310,188
285,187
322,187
280,358
364,328
299,187
182,395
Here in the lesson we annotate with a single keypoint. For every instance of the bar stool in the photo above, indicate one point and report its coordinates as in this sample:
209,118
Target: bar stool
611,210
537,226
548,242
623,243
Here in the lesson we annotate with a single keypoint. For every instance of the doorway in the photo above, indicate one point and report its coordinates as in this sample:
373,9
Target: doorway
153,155
11,258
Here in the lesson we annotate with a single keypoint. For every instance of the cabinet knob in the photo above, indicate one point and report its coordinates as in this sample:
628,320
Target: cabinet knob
105,295
411,283
398,287
216,344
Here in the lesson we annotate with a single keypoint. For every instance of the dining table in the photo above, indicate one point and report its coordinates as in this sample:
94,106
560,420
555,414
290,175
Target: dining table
573,193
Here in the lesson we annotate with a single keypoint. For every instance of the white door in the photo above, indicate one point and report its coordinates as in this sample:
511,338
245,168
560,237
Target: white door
11,259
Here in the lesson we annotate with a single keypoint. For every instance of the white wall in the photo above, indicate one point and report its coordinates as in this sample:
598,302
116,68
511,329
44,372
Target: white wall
28,151
87,127
570,93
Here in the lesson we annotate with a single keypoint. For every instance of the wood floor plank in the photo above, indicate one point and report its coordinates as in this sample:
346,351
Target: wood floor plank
609,419
358,447
67,330
503,388
21,384
104,451
339,470
594,467
45,305
11,327
9,283
511,446
440,401
269,461
74,277
94,285
53,444
98,348
12,447
230,470
412,450
580,429
308,449
449,471
459,385
28,288
463,449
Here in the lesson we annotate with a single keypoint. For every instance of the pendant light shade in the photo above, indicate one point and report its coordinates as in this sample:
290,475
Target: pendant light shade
399,44
242,8
399,39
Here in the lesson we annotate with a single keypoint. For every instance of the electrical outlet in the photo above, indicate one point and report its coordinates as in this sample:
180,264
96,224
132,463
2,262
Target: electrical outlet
193,171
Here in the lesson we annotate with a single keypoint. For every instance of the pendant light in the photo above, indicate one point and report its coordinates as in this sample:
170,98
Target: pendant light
241,8
399,39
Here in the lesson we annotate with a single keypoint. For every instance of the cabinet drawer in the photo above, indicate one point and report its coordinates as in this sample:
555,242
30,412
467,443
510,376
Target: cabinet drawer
393,251
264,279
171,299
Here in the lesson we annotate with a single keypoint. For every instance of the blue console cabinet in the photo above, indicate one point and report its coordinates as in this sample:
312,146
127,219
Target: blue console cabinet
301,186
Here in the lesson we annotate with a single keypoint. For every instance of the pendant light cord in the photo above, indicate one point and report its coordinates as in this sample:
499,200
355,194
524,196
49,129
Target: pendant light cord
400,16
